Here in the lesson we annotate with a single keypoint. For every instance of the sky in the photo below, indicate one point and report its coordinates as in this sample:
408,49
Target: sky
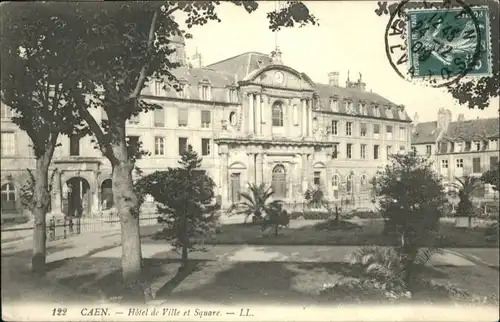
350,37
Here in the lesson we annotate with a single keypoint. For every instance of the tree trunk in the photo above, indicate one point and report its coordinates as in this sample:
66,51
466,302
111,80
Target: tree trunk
127,204
276,226
39,207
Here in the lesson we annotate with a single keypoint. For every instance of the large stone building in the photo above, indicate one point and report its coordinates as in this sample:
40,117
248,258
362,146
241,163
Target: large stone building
458,148
251,118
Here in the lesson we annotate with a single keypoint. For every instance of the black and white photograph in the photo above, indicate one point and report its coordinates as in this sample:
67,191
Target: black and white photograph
250,160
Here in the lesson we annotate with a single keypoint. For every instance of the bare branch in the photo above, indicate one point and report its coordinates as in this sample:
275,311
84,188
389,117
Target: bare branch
102,139
144,69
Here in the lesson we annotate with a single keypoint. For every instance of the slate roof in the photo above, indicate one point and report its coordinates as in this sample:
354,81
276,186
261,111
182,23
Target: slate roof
425,132
458,131
229,71
470,130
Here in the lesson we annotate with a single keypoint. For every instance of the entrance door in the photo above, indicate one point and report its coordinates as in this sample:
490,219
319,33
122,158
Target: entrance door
106,194
235,187
279,181
78,197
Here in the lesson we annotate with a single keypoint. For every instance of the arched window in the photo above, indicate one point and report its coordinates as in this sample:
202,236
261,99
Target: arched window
277,111
335,186
9,196
349,183
279,181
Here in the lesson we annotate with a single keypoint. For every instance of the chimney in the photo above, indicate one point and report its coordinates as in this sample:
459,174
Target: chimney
333,78
460,118
444,119
414,123
276,56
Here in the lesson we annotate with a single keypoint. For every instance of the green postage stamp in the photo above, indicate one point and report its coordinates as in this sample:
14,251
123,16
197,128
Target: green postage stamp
449,43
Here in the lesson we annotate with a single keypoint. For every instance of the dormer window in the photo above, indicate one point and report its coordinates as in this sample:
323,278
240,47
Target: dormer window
158,87
376,111
334,104
349,107
183,93
206,92
363,108
233,95
388,112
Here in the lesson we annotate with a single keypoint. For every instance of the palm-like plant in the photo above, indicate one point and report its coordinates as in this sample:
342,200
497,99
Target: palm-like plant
254,203
466,187
387,266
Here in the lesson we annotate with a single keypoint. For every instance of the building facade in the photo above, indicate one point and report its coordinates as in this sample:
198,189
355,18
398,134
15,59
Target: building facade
251,118
458,148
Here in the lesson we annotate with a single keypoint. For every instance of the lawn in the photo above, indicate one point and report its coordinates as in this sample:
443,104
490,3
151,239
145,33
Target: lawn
321,232
215,280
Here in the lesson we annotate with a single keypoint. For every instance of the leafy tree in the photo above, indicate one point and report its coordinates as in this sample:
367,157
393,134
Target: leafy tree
466,187
124,46
186,200
411,198
492,177
254,203
41,84
475,93
316,198
28,189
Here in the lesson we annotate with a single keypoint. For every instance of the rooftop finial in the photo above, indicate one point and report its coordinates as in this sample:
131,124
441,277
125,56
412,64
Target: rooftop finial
348,72
360,77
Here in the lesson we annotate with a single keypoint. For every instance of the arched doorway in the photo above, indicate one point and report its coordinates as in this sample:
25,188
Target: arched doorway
279,181
107,194
78,197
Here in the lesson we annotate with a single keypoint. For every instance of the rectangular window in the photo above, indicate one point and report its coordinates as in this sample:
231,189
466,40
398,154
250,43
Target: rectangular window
8,143
443,147
460,163
376,111
493,162
334,105
478,145
428,149
205,119
363,129
459,147
205,146
493,144
183,117
159,117
388,151
205,93
182,145
317,178
402,134
134,119
133,144
183,91
159,146
476,165
335,127
74,145
444,164
467,146
348,128
349,150
363,151
375,152
376,130
335,154
296,114
388,132
388,113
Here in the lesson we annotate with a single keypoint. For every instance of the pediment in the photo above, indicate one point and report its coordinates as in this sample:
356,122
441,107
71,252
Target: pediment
282,77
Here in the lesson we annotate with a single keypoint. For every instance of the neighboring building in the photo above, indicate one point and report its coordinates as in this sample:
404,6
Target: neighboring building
251,118
460,148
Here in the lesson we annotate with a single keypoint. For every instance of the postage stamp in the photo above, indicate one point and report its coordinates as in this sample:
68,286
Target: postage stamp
449,42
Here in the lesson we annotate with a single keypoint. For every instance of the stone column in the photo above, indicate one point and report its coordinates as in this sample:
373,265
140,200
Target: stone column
224,180
57,194
258,115
290,191
309,118
259,168
309,169
251,123
303,113
305,173
251,168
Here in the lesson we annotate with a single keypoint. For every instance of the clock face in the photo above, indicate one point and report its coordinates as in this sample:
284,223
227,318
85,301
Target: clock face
278,77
